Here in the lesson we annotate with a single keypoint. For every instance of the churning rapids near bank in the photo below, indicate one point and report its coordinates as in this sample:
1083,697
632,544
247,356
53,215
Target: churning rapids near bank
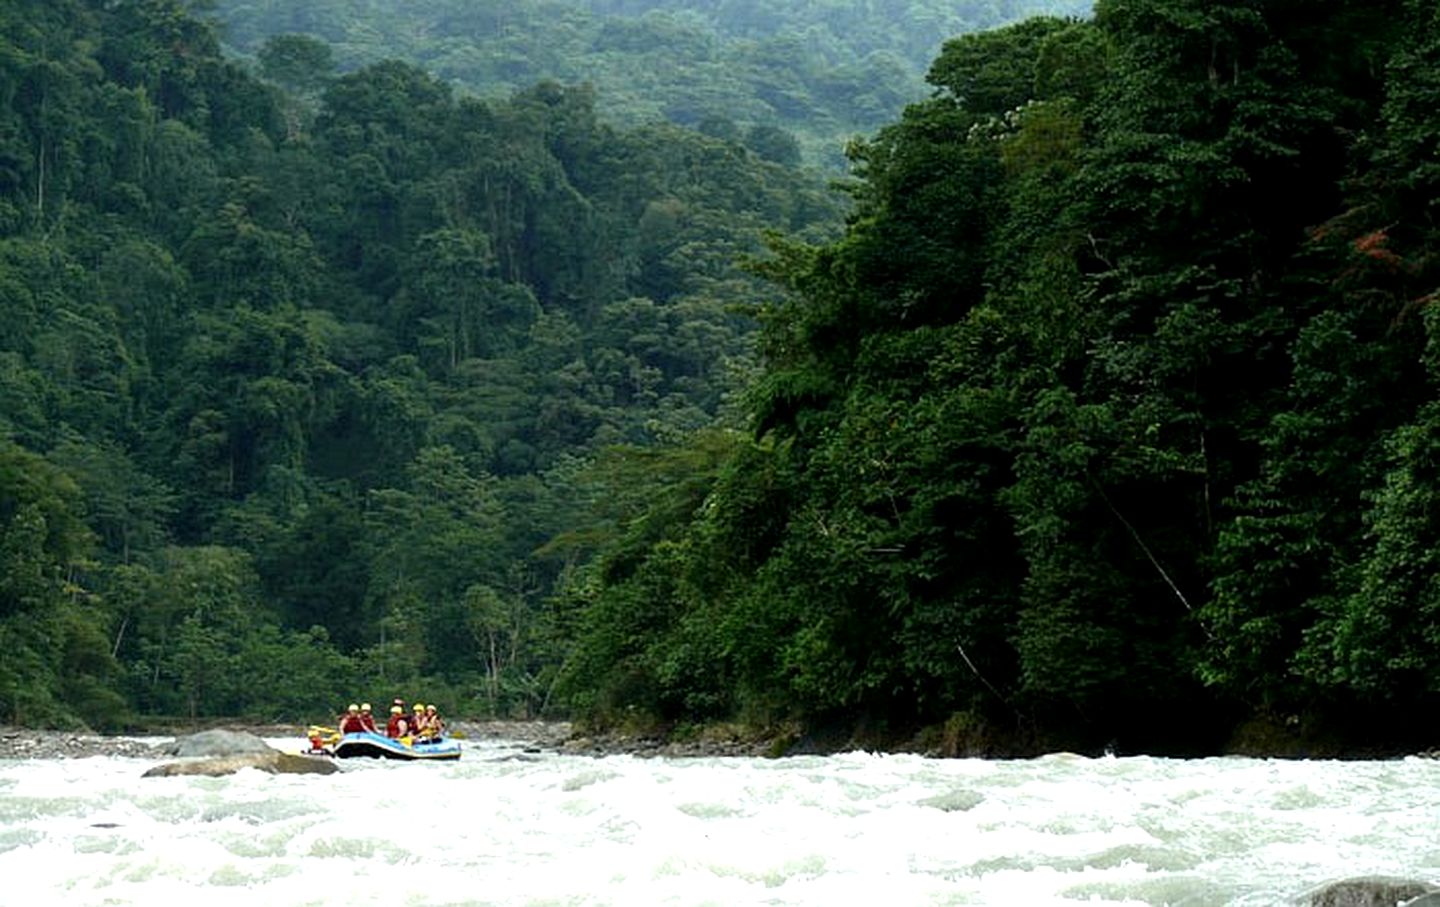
502,826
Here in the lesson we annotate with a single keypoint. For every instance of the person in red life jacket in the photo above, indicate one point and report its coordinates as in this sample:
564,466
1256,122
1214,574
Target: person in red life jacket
351,722
367,718
397,726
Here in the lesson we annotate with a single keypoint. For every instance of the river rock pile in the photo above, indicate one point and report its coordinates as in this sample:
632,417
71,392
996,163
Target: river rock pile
530,736
28,744
1372,891
25,743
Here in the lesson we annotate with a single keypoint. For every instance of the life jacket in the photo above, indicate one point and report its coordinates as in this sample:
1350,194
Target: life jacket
392,727
352,724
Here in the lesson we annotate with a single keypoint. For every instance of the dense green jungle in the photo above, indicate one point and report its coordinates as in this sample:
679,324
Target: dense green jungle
788,79
1091,405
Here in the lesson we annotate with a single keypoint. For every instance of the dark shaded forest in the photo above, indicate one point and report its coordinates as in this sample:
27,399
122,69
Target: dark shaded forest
1111,419
1099,410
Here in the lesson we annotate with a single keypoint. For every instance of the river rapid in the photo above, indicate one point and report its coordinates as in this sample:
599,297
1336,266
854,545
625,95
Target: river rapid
506,826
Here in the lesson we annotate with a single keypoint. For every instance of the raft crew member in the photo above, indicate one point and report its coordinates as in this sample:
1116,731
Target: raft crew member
423,727
368,718
434,726
397,726
351,722
417,721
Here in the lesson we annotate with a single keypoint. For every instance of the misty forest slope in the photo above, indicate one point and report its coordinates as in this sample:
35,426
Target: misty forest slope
821,71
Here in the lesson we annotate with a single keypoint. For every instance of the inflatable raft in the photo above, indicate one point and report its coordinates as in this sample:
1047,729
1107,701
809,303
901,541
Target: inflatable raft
378,746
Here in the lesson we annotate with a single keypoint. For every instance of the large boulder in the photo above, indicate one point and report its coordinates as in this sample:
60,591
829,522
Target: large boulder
274,762
218,743
1366,891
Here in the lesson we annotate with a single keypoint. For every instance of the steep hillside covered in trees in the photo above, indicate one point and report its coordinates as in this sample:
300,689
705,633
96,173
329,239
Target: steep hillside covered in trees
1109,417
294,386
1112,417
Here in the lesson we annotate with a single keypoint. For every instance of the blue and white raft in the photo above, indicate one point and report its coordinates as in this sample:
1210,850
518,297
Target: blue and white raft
378,746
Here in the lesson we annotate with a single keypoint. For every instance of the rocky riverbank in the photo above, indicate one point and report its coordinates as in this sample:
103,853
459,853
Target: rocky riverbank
531,736
25,743
19,743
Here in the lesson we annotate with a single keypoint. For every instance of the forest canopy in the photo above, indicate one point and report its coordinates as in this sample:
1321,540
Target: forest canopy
781,77
298,373
1110,419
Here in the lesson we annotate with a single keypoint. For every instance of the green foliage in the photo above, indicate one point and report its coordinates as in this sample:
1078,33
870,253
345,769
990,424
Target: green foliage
1378,638
56,667
789,78
300,64
293,387
992,73
1108,417
1110,414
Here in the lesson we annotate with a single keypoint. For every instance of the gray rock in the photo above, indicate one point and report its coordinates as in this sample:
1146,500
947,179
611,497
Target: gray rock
1366,891
954,801
1425,900
274,762
218,743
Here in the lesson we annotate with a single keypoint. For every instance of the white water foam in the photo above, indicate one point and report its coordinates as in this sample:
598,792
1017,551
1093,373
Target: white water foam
505,827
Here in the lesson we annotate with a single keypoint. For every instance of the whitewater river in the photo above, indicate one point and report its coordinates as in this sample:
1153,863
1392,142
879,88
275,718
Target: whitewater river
504,827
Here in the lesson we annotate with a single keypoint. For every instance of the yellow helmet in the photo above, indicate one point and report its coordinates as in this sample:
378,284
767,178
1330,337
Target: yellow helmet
352,707
395,710
429,708
364,706
419,707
